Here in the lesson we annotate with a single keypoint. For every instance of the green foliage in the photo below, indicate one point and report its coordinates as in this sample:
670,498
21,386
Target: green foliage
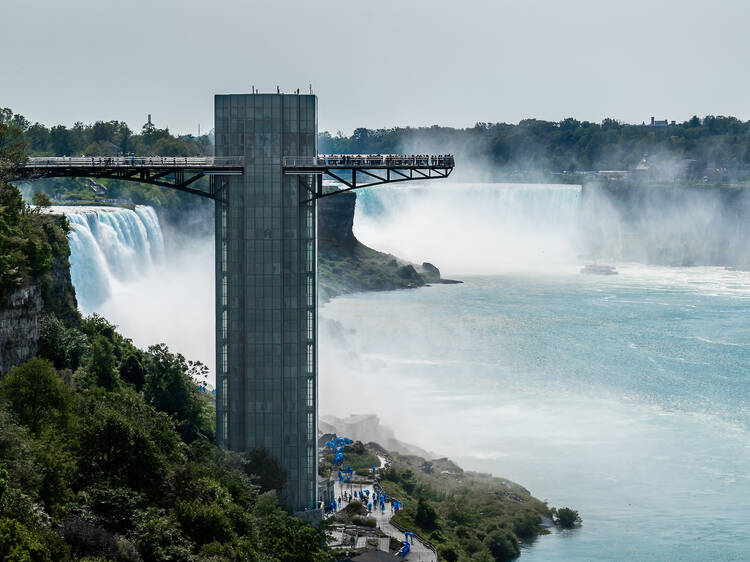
465,515
109,138
101,363
41,199
568,144
567,518
20,544
449,552
63,345
132,370
503,545
426,516
204,523
170,389
286,538
101,471
37,395
269,473
122,440
159,537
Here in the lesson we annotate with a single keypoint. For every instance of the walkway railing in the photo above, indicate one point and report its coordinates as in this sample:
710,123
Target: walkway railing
186,162
369,161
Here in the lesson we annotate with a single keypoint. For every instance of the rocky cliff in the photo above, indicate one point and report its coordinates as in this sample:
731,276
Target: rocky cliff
345,265
22,310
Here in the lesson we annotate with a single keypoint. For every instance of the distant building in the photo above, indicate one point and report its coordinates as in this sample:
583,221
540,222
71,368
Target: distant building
664,123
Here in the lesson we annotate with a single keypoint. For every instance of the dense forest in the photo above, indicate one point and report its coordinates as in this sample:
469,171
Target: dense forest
689,148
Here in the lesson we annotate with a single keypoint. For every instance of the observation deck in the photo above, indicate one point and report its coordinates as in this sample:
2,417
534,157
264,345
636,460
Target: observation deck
369,169
354,171
177,172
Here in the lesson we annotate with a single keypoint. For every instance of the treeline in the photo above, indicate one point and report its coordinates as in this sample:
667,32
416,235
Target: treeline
29,240
104,138
109,138
567,145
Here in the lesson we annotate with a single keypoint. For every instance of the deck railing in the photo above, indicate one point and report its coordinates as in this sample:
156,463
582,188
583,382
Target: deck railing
369,160
187,162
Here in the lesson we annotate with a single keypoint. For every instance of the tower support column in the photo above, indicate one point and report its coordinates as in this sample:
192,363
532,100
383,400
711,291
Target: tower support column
266,285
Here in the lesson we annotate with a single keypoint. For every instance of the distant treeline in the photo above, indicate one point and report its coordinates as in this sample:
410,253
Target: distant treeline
696,145
108,138
714,142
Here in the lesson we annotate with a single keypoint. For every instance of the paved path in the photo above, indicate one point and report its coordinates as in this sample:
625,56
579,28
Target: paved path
419,551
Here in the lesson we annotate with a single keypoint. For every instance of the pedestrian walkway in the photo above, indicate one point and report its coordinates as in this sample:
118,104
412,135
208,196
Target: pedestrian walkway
419,551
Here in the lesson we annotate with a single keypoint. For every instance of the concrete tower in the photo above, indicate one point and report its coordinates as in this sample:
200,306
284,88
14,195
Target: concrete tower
266,344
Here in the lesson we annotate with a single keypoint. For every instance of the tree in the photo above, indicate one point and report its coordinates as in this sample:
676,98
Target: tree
426,516
19,544
37,395
503,545
170,389
121,439
101,363
567,518
62,345
158,537
268,471
132,370
41,199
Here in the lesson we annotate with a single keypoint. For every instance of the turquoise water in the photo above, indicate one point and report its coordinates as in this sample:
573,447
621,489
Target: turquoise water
625,397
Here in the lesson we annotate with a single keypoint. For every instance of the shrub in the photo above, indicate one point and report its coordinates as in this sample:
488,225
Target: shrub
426,516
19,544
63,346
204,523
87,539
449,552
365,521
355,508
37,395
269,472
158,537
503,545
567,518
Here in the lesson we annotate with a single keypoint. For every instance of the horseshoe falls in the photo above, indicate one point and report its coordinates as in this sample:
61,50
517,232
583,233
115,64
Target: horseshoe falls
121,269
625,397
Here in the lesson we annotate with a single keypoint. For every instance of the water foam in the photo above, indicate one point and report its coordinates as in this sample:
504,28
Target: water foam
110,246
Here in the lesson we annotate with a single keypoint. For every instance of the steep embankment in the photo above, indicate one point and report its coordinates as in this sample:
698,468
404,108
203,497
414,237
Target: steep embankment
48,290
345,265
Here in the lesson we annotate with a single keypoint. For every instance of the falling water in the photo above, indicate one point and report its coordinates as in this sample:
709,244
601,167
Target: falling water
110,246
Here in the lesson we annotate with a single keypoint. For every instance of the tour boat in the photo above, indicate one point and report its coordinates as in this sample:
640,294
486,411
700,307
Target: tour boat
599,269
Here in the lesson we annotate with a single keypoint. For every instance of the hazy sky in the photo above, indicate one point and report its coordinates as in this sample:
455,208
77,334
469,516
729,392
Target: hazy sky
375,63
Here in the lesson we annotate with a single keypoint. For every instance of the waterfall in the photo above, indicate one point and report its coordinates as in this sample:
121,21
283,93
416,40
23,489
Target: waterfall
473,228
110,245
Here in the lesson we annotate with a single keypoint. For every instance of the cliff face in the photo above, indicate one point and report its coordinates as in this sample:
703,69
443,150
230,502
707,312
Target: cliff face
19,326
345,265
22,310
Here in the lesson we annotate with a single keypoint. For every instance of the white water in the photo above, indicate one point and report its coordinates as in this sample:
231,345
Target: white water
110,246
119,269
473,229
